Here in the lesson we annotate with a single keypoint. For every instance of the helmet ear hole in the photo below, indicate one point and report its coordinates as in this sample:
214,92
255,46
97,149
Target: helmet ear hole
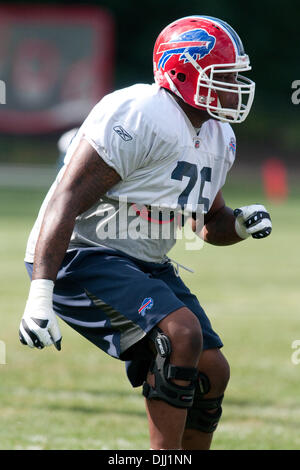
181,77
173,72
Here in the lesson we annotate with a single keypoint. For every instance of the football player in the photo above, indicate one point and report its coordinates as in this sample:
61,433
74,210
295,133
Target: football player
170,145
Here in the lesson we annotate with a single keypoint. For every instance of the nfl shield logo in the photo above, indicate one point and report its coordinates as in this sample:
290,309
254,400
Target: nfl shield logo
197,142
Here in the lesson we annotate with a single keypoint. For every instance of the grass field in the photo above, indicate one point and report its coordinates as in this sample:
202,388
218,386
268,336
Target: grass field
79,398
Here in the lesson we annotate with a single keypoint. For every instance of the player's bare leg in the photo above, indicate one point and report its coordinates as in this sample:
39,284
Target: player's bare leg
166,422
215,366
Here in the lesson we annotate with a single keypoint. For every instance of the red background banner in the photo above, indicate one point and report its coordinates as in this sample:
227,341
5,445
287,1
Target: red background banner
56,62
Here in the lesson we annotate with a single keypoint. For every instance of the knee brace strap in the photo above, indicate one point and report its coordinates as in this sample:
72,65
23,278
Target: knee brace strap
198,416
201,419
164,389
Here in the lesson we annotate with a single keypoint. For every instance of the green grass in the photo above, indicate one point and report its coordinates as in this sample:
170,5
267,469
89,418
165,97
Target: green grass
79,398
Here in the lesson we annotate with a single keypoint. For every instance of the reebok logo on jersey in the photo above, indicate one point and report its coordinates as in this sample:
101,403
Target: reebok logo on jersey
122,133
147,304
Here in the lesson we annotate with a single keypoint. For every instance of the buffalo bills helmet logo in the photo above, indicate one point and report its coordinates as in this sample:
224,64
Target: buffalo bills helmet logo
198,43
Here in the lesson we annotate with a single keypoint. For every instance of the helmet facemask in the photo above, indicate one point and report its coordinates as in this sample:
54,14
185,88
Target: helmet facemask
208,87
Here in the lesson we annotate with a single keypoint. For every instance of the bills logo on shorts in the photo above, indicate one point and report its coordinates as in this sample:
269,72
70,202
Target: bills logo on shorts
147,304
198,43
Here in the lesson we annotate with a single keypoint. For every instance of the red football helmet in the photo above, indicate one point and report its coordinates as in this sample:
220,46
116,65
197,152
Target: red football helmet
188,56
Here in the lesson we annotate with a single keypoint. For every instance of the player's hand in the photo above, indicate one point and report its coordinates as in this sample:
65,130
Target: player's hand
252,220
39,326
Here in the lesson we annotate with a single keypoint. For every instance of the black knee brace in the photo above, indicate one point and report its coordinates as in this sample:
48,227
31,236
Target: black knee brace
164,372
198,416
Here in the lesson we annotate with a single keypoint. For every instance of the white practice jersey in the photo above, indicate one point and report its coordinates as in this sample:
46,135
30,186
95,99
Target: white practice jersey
163,162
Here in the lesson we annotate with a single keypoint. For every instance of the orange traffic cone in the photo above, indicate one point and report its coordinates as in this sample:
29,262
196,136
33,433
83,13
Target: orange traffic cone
274,177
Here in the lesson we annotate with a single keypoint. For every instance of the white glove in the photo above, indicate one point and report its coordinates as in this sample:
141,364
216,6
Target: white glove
252,220
39,326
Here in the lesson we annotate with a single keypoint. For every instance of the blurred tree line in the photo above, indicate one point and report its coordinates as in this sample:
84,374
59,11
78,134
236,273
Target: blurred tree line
270,34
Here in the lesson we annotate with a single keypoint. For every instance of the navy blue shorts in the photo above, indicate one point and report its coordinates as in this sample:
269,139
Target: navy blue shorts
114,300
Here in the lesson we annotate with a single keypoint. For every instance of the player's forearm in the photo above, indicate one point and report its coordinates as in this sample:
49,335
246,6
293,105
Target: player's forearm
220,228
54,238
